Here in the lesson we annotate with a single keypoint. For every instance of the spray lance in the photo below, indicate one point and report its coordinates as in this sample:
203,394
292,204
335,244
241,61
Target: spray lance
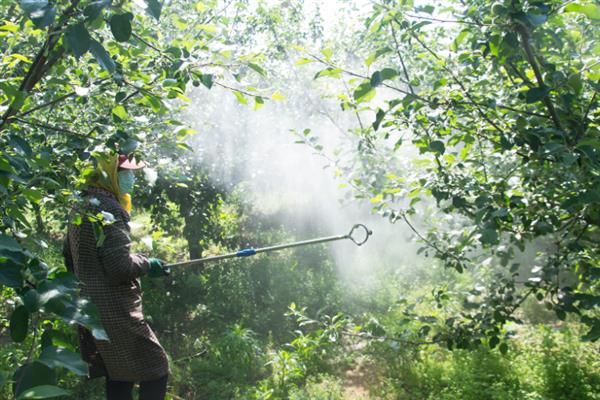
359,234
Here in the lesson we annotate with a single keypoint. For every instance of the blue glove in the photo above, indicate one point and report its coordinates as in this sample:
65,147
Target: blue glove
158,268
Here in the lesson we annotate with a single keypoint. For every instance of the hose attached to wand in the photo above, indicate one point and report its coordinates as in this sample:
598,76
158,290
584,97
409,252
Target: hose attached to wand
352,235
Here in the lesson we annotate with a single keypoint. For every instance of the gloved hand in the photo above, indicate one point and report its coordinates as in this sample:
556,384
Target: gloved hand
157,268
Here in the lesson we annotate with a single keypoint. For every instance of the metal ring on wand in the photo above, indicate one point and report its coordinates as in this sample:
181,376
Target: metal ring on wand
367,232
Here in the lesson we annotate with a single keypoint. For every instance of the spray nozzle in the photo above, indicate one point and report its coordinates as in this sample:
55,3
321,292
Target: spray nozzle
357,232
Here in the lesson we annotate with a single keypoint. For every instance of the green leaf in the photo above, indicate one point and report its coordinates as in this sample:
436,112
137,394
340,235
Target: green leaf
380,76
592,11
376,55
377,199
258,69
154,8
537,94
259,102
10,274
33,195
328,53
185,146
209,28
94,9
31,6
375,79
537,19
593,334
437,146
240,97
494,341
207,80
128,146
9,243
388,73
303,61
31,300
503,348
9,27
98,233
43,392
81,311
182,133
60,357
575,83
32,375
19,323
277,96
362,91
489,236
102,56
40,11
120,26
378,118
459,39
6,167
78,39
329,72
120,112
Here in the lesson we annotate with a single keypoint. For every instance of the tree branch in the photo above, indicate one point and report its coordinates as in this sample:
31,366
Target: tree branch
451,21
138,37
456,80
401,60
237,90
50,103
42,63
42,125
538,75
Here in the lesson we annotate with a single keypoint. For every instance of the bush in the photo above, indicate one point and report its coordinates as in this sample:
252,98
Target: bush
227,367
323,387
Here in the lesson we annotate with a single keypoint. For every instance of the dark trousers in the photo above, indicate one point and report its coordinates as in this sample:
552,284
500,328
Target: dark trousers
149,390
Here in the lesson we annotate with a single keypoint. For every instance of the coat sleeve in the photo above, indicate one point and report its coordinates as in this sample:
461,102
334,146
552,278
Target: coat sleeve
119,264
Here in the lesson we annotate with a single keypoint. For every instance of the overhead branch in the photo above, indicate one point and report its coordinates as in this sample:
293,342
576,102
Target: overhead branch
538,75
44,60
450,21
162,53
401,59
457,81
48,104
237,90
42,125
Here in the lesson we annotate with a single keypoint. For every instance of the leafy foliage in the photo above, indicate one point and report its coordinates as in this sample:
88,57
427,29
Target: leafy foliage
505,122
78,78
498,100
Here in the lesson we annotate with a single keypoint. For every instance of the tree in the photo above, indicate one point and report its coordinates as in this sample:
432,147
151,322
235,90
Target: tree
500,101
78,78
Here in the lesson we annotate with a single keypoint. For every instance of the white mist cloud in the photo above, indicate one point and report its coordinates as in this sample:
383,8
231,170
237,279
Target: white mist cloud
285,179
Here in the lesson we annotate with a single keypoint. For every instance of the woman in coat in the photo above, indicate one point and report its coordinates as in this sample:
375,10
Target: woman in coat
110,277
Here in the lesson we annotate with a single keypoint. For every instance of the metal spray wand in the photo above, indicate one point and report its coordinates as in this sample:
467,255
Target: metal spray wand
252,251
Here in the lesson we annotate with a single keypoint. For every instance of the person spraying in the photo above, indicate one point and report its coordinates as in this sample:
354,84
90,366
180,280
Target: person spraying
110,276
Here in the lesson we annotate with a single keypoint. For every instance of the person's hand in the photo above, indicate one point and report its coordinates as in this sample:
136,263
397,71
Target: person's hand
157,268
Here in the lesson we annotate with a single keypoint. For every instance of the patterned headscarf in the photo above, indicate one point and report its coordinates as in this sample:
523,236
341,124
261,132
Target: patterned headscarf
106,177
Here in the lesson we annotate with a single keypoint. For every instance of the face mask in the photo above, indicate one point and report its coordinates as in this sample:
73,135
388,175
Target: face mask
126,181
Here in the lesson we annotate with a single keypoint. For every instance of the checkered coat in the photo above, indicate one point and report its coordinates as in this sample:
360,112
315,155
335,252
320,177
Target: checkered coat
110,278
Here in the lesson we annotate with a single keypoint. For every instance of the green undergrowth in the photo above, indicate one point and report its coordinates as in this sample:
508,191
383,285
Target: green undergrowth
230,334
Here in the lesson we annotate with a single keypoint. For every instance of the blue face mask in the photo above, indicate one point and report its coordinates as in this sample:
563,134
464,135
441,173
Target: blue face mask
126,181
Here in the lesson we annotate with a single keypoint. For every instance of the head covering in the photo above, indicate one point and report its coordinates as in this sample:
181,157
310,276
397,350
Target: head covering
125,163
106,177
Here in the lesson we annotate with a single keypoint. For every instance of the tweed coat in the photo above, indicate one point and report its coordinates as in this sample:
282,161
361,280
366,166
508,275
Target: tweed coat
109,275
